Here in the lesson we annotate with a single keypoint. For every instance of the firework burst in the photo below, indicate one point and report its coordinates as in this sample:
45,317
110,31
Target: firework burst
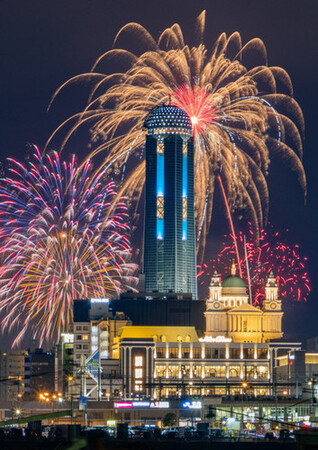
240,120
271,253
59,243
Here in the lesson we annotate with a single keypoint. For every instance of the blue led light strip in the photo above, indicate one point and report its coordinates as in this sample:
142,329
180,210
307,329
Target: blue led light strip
184,195
160,193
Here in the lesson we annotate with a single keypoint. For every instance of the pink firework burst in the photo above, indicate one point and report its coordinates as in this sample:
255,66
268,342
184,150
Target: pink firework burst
197,102
271,253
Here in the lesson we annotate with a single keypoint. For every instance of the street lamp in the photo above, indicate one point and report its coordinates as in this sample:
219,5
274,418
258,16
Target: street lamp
244,387
70,379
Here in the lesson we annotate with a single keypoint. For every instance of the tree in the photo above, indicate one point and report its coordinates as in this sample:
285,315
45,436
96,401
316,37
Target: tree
169,420
211,414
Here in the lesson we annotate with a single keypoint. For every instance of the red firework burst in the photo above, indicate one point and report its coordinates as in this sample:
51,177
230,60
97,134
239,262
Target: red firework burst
272,253
196,102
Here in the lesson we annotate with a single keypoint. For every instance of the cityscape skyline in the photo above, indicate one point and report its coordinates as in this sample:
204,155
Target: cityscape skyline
300,219
184,150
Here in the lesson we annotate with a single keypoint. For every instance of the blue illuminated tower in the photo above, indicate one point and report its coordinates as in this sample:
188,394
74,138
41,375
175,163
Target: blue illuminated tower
169,245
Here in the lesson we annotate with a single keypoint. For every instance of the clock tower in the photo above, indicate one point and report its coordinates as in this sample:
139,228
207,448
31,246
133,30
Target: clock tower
272,309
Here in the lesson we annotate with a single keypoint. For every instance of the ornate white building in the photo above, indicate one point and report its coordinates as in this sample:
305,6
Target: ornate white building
230,314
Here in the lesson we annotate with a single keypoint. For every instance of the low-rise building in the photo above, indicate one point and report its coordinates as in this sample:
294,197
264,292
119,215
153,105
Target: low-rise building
12,374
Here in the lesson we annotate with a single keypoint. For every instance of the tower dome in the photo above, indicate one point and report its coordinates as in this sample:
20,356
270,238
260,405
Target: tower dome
168,119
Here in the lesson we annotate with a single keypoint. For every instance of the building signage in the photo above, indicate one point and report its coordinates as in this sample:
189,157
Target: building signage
82,405
192,405
159,405
99,300
141,404
68,338
217,339
111,423
120,405
92,365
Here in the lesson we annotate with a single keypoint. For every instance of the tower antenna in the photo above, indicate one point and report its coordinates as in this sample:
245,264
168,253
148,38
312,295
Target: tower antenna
248,272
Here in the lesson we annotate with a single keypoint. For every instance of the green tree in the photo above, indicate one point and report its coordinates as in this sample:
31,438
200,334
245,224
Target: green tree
211,414
169,420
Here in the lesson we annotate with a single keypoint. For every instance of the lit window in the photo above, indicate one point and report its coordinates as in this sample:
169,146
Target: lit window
184,208
160,147
160,207
138,361
138,373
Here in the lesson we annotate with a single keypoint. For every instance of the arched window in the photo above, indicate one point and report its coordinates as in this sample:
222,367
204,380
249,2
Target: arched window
163,338
179,338
188,338
155,338
234,373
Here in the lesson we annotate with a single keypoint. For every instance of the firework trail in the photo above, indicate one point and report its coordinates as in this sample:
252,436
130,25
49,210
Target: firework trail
240,120
58,243
270,253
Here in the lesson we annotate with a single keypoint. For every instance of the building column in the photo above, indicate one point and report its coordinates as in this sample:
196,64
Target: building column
227,351
130,372
124,371
147,370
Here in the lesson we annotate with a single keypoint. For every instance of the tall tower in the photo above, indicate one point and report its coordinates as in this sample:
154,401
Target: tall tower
169,246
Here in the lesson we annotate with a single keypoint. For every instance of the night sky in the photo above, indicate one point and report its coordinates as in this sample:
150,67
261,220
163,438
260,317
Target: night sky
45,42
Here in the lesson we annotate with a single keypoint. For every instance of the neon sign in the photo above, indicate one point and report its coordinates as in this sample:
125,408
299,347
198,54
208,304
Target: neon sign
192,405
221,339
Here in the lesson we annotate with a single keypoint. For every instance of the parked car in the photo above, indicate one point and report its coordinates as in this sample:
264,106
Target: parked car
284,434
173,433
216,433
270,435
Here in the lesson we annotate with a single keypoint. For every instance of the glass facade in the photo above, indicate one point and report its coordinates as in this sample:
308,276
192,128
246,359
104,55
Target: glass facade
169,245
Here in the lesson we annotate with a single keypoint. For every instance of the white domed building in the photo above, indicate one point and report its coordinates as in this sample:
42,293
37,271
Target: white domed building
229,313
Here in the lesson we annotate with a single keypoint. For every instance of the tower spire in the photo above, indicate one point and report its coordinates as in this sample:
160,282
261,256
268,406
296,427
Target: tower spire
233,268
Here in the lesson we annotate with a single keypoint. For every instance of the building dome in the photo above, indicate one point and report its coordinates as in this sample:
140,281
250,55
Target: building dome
168,119
233,281
233,285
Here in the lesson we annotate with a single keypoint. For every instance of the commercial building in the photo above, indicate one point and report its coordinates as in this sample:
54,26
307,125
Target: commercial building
234,356
169,261
230,313
39,373
11,374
